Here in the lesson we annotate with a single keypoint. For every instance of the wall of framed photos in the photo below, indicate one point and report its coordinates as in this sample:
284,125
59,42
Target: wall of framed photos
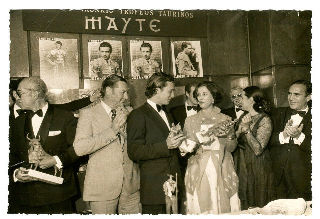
269,49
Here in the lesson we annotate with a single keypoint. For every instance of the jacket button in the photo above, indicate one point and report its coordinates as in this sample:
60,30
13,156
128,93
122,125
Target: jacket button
289,150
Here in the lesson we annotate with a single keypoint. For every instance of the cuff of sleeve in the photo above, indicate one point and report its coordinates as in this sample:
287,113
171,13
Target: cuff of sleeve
15,179
299,140
283,140
59,163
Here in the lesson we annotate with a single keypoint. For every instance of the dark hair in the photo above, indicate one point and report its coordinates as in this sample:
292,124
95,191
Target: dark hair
110,81
106,44
185,45
260,102
306,83
157,80
188,86
59,42
13,86
212,87
146,45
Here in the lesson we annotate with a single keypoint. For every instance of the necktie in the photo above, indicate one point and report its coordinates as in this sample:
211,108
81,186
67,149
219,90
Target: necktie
113,116
28,124
38,112
301,113
195,108
159,108
238,109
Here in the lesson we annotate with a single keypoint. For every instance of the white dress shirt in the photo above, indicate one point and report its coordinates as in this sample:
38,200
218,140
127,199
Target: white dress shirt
238,113
15,108
302,136
107,108
190,112
161,113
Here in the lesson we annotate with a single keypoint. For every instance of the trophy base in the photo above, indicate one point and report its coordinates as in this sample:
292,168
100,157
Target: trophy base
44,177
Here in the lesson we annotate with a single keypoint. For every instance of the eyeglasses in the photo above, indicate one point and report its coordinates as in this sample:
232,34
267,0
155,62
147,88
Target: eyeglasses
236,96
20,92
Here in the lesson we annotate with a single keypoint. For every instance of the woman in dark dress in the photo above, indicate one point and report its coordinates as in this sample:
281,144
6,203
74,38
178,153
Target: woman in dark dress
254,167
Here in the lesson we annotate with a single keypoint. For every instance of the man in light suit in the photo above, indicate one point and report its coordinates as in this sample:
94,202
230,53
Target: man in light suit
112,180
150,144
56,129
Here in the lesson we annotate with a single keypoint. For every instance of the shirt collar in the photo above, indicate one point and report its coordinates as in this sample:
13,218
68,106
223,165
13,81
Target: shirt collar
106,107
15,108
153,104
45,109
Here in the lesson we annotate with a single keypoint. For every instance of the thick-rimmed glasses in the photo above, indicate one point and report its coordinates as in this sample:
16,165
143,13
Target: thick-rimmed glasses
236,96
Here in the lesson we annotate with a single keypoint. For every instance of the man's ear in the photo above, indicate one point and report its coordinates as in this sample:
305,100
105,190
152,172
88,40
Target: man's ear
309,97
15,95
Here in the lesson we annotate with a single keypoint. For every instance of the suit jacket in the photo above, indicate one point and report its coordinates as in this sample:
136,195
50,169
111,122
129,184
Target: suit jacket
230,112
147,134
39,193
109,170
179,114
291,159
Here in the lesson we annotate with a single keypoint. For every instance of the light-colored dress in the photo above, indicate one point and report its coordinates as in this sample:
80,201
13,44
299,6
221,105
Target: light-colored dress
211,181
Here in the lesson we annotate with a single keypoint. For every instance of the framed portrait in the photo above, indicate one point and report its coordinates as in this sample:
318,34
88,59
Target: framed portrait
59,63
186,59
145,58
105,58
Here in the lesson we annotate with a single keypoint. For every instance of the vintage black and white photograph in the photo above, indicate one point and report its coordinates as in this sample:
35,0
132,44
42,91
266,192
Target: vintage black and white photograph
161,112
187,61
59,63
105,58
146,58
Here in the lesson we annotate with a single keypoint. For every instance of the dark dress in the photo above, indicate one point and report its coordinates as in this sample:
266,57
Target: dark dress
253,164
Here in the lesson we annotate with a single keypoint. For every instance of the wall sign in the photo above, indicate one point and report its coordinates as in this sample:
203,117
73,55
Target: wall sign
191,23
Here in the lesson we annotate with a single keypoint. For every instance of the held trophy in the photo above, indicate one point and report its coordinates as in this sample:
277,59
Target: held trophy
35,155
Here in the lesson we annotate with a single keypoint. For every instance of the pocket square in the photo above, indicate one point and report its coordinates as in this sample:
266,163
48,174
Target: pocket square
54,133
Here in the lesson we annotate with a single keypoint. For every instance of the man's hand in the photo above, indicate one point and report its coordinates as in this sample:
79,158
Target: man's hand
295,131
47,162
175,141
22,175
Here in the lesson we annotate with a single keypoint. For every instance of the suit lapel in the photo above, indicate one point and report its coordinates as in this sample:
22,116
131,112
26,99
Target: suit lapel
45,125
154,115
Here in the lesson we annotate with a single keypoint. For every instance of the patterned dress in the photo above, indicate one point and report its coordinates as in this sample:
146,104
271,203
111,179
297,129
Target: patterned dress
211,181
253,164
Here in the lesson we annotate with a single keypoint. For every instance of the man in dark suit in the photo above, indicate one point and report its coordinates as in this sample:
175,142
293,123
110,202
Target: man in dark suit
235,111
151,146
189,108
291,144
56,129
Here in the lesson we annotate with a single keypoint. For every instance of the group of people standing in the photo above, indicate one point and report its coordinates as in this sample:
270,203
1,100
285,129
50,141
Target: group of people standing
242,157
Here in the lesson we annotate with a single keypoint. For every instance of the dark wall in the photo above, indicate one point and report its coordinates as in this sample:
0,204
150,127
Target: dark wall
269,49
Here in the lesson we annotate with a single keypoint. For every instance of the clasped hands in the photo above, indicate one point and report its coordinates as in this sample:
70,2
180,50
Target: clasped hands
292,131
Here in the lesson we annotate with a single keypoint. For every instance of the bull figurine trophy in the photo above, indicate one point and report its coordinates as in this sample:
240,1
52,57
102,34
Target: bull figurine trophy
35,155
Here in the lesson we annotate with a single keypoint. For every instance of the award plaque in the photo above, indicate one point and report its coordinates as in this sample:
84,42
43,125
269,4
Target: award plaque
35,155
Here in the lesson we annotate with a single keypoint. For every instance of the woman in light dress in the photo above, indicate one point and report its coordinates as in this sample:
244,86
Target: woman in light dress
211,181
